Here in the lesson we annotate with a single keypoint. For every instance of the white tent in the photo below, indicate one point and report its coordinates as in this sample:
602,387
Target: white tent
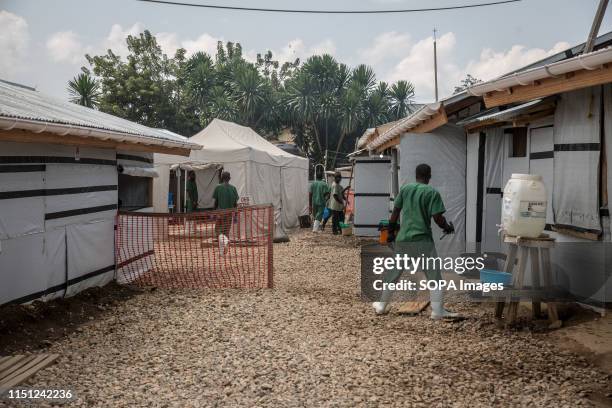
260,171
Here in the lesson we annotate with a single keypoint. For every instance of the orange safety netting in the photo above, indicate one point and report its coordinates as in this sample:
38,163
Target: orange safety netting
211,249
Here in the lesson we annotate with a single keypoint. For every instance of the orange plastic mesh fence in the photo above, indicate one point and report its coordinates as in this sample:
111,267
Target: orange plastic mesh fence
212,249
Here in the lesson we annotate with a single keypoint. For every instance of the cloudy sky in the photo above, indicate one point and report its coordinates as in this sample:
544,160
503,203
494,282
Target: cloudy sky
42,42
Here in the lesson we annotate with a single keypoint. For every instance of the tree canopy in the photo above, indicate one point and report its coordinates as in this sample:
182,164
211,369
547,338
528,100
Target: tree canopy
323,102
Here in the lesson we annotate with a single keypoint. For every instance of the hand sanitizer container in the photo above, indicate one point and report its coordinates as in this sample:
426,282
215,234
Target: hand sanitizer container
524,206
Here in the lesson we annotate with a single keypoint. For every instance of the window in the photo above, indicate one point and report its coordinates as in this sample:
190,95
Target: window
135,192
518,141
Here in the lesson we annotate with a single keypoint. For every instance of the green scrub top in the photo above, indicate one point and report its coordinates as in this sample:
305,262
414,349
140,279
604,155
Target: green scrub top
192,191
336,188
418,202
319,188
226,196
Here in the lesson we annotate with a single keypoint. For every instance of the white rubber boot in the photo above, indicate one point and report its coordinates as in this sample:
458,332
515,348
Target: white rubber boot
438,311
316,226
223,241
381,308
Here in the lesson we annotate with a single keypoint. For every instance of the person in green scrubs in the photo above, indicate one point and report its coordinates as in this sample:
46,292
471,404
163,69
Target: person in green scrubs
418,203
336,203
318,195
226,197
192,192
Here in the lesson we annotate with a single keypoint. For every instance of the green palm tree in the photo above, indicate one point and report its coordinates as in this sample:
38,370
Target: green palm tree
402,96
364,76
219,105
302,104
351,111
376,110
249,92
84,90
201,77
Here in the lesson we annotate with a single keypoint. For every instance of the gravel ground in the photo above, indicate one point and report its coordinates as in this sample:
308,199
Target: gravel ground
308,342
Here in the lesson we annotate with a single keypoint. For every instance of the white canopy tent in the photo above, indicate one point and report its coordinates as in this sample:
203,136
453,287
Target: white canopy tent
260,171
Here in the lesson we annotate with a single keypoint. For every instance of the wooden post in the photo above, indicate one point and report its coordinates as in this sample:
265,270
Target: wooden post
508,266
518,282
535,280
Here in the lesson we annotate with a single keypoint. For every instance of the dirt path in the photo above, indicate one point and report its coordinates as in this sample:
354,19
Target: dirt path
308,342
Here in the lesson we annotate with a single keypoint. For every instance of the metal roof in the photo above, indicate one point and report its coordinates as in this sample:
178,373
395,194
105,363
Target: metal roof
496,114
22,107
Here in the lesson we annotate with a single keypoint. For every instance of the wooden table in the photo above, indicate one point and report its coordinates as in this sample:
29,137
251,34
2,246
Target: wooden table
538,250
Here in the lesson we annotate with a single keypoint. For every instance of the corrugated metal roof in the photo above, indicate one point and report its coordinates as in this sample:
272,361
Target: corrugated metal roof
25,104
498,115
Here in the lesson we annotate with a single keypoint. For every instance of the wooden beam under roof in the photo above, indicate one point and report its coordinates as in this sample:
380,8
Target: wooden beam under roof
434,122
26,136
550,86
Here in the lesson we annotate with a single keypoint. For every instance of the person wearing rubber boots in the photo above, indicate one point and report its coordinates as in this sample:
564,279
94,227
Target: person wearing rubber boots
417,203
317,198
336,203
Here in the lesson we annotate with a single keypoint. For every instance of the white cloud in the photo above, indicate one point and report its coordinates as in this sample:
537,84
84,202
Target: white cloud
297,48
394,56
168,42
117,35
492,64
385,46
418,67
64,46
14,38
205,42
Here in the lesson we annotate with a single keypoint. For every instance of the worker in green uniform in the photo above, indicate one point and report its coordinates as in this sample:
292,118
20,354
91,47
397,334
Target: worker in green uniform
336,203
317,199
226,197
192,192
418,203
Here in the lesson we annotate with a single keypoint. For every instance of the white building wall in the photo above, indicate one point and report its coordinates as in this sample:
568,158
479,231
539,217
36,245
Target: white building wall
372,192
57,209
444,150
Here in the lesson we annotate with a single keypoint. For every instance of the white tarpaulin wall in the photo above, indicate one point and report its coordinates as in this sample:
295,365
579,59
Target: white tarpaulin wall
259,170
577,149
445,151
372,193
493,186
57,209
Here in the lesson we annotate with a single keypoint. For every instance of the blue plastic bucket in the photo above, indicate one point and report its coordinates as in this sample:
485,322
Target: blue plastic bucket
492,276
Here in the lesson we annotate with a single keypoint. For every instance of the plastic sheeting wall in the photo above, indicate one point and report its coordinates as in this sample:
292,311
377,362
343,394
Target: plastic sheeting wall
294,195
445,151
493,188
372,194
608,143
471,189
57,208
577,150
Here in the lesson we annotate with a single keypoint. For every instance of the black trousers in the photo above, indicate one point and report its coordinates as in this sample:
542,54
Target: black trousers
336,218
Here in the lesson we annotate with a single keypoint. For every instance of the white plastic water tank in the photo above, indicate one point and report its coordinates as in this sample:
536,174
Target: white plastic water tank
524,206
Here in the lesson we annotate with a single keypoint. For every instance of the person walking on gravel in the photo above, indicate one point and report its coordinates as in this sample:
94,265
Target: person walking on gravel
192,192
418,203
226,197
317,198
336,203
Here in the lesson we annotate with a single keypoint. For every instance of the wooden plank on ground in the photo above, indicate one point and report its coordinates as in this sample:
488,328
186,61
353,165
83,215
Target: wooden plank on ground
9,361
22,367
24,373
413,308
15,366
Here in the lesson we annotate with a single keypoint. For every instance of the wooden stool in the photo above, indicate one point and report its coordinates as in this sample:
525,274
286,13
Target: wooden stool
538,249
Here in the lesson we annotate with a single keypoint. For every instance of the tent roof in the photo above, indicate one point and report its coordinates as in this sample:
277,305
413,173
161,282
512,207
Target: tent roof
227,142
